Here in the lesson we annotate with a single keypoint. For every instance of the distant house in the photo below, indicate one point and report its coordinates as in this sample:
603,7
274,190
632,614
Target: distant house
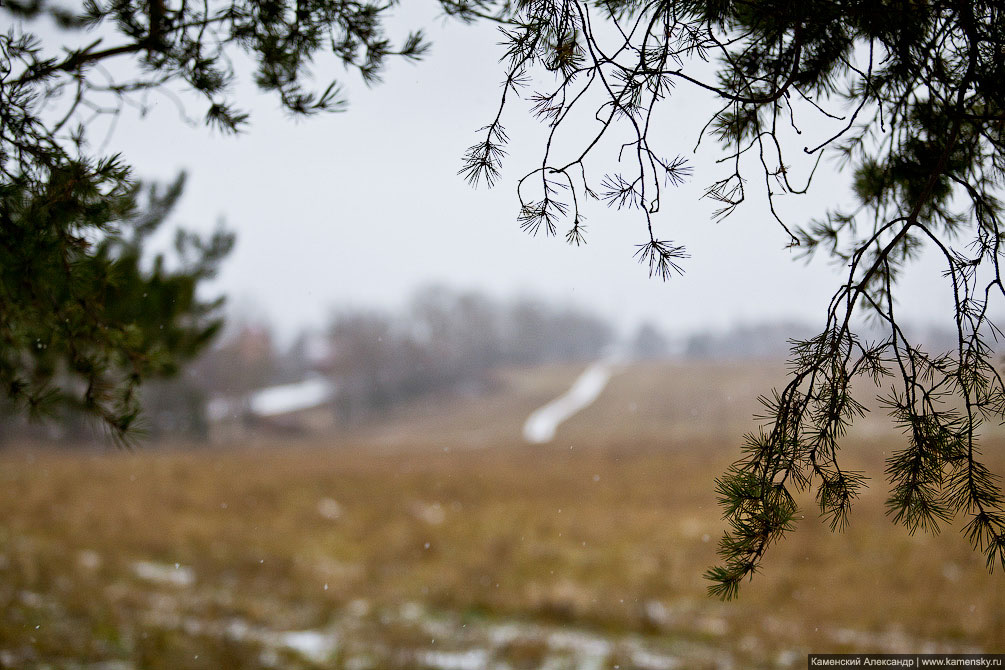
300,407
291,398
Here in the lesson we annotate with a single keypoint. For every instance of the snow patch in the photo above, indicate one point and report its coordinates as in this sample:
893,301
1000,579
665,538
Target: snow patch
329,509
430,513
541,425
648,660
587,647
161,573
472,659
314,646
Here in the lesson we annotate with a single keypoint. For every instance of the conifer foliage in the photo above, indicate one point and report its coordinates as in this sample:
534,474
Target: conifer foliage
84,318
908,96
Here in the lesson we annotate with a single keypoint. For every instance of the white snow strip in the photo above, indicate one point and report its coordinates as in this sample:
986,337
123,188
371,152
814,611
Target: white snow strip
582,644
290,397
473,659
315,646
160,573
647,660
541,425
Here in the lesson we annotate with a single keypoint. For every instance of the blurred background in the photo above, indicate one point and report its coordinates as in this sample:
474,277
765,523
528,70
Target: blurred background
369,496
346,478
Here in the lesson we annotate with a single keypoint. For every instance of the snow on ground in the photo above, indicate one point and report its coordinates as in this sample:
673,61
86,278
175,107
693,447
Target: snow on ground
541,425
471,659
359,636
313,645
160,573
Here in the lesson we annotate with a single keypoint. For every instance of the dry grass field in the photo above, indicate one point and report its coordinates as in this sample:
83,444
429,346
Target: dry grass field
437,540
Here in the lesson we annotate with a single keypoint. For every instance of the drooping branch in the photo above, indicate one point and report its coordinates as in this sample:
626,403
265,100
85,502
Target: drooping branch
911,106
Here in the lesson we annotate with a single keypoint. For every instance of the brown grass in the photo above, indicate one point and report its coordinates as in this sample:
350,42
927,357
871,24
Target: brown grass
605,532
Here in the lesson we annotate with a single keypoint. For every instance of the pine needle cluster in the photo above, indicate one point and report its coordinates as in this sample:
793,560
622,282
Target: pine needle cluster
87,317
909,99
83,318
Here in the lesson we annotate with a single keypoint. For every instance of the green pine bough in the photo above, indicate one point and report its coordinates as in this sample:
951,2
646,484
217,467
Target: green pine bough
907,96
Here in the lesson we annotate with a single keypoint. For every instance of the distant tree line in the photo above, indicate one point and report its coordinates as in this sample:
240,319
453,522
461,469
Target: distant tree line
442,340
449,341
772,340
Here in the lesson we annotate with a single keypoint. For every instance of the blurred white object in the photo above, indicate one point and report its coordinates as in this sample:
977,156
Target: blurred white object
541,425
287,398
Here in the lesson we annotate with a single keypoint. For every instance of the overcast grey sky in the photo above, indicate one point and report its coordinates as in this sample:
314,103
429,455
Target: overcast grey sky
362,207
